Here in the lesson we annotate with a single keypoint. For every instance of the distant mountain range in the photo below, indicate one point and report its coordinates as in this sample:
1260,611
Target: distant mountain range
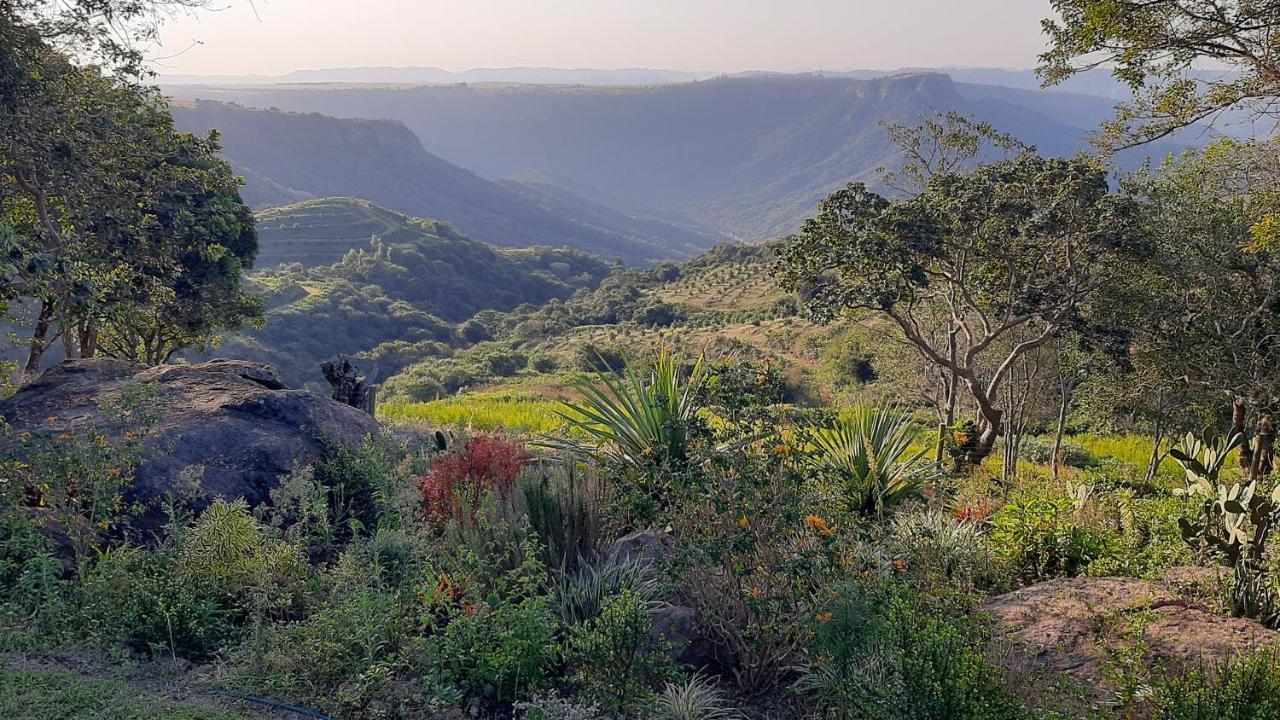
434,75
748,157
285,157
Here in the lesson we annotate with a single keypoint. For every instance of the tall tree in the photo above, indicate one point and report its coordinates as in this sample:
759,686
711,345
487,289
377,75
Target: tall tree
1210,306
1014,249
1154,46
119,217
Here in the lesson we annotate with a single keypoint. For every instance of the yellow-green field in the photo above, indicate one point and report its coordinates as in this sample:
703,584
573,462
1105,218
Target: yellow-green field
526,414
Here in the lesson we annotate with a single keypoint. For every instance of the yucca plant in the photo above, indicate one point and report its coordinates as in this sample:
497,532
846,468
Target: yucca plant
869,457
644,417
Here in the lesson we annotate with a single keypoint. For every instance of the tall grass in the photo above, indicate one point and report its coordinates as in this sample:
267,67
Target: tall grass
524,414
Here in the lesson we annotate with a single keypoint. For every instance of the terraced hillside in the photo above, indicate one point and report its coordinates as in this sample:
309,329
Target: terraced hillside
322,232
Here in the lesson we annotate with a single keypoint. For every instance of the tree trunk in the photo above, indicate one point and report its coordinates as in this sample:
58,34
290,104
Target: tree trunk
1264,449
39,341
1238,406
1068,391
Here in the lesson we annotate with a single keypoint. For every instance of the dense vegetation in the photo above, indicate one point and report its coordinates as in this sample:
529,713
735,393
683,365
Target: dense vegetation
790,480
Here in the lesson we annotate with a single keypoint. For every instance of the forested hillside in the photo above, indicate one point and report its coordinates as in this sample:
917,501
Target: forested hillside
749,156
411,282
285,157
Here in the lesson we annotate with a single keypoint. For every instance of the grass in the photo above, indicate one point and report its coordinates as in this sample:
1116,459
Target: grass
61,695
520,413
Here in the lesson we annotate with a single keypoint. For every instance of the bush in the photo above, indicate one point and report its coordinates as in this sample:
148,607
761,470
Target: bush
458,481
693,699
878,654
1039,450
563,504
498,644
335,646
1244,689
30,576
139,599
616,655
936,551
1039,538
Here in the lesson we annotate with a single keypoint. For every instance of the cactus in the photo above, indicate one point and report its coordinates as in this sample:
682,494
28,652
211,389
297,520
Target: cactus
1236,519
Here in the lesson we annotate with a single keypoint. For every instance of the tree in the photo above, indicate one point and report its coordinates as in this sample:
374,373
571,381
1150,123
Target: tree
1153,46
129,233
1211,303
1014,249
104,32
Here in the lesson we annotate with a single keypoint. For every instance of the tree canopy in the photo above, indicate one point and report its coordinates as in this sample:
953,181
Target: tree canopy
1159,48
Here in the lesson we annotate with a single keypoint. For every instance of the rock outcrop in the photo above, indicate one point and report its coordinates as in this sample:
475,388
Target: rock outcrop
231,426
1074,628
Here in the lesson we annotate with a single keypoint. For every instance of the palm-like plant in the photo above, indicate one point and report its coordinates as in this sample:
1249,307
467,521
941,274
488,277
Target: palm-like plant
643,417
869,456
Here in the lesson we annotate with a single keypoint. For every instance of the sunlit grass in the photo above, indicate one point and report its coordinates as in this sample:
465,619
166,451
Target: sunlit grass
520,413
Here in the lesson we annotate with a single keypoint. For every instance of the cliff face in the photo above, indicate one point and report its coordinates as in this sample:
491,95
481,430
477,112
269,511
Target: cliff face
285,157
747,156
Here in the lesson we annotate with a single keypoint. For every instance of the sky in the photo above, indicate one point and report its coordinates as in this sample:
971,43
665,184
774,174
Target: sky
272,37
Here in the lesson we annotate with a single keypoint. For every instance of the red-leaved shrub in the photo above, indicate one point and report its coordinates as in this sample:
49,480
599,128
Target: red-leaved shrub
458,481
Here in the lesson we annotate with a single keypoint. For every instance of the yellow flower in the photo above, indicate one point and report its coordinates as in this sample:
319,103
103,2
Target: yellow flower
824,617
819,525
755,593
780,449
742,521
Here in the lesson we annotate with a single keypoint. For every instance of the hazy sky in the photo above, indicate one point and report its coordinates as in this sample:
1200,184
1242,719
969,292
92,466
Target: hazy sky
276,36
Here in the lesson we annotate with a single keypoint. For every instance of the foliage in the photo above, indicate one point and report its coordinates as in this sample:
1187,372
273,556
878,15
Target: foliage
580,594
478,412
1249,687
565,509
499,647
459,480
694,699
876,653
646,418
868,459
618,657
141,600
752,558
1157,48
1039,536
939,552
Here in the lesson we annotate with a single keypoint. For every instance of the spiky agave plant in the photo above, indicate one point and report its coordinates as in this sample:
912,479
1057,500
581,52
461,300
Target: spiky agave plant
644,417
869,457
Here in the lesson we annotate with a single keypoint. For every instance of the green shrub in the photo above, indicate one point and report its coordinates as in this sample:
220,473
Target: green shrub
868,460
580,593
693,699
1039,450
1038,536
140,599
564,506
617,659
1149,541
344,639
936,551
1246,689
496,634
498,652
879,654
31,584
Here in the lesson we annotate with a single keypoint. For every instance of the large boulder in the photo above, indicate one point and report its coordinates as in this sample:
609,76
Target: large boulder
1074,628
236,420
